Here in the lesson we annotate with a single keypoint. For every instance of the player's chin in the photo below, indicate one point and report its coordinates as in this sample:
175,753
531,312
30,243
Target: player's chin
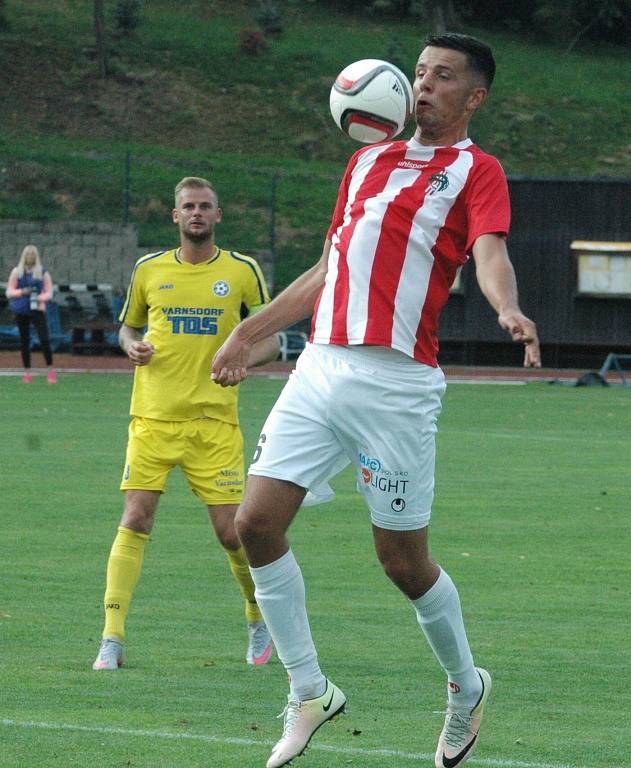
198,235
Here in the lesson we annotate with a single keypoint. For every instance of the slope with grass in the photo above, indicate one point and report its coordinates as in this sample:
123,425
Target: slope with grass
183,98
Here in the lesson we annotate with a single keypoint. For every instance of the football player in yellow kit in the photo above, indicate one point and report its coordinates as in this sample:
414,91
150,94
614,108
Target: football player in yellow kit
181,306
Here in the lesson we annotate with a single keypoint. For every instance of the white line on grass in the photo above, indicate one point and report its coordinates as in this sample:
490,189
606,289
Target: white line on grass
492,762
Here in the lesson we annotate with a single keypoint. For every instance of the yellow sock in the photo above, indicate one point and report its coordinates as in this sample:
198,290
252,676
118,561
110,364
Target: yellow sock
241,572
123,572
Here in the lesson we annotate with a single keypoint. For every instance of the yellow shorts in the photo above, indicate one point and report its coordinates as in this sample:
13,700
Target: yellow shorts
210,453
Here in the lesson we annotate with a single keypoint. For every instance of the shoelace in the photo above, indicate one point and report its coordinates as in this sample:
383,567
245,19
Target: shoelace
291,714
109,651
457,728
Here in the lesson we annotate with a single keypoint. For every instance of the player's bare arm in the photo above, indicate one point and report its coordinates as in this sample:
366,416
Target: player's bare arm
295,303
496,278
131,342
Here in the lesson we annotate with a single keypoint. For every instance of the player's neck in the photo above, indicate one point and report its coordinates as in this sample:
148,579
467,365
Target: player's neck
196,253
430,138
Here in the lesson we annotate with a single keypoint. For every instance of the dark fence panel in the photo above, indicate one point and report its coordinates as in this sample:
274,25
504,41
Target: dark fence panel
548,214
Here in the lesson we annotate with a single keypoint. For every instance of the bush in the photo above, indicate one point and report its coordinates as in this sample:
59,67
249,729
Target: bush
128,15
4,22
270,19
252,41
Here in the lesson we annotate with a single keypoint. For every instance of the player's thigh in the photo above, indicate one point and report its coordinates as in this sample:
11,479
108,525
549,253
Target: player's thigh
213,461
153,449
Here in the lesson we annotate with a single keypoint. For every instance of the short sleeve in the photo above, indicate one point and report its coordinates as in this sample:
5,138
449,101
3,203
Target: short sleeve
135,309
255,294
487,200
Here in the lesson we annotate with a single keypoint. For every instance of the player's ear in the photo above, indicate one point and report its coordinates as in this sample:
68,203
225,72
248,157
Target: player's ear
477,97
175,216
219,214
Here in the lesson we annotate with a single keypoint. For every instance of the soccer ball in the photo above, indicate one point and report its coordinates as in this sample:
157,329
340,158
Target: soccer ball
371,100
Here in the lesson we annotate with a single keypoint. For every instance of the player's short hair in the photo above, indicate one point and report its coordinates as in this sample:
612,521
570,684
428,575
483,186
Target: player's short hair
479,55
196,182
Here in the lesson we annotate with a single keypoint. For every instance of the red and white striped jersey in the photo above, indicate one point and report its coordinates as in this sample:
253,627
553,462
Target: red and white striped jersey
406,218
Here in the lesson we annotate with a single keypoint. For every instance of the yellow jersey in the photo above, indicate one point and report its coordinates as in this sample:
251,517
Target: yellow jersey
188,310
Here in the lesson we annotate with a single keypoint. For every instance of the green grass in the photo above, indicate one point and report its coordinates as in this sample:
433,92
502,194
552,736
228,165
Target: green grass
531,521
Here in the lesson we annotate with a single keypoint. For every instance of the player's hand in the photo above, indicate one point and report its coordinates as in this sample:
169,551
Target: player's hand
140,352
230,364
523,330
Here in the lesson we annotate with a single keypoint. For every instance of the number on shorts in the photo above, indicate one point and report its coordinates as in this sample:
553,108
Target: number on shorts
259,449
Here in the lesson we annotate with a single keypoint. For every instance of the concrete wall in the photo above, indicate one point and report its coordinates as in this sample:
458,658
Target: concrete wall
84,251
73,251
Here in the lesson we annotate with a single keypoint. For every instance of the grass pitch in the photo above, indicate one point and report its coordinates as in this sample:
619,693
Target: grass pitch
531,520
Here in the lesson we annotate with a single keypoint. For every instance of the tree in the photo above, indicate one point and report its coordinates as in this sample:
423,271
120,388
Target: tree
128,15
99,34
443,16
4,22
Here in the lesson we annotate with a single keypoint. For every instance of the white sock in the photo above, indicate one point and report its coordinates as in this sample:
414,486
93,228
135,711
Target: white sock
440,616
280,594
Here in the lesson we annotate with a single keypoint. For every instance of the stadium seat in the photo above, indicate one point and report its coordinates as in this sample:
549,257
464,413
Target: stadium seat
292,342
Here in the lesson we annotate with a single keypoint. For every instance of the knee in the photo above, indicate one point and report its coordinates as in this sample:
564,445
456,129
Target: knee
244,525
412,577
137,520
137,516
400,573
229,539
249,525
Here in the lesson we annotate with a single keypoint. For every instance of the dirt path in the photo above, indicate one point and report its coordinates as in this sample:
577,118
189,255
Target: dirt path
10,364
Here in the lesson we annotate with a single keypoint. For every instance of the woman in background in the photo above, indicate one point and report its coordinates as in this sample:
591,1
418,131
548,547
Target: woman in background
29,287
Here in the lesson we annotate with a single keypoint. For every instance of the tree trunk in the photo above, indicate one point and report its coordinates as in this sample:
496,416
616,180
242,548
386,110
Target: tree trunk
444,17
99,33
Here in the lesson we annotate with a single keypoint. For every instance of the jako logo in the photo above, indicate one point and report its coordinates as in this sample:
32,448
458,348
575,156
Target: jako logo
453,687
112,606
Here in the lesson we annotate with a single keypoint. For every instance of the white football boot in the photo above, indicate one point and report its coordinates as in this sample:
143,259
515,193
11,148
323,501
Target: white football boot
302,720
459,736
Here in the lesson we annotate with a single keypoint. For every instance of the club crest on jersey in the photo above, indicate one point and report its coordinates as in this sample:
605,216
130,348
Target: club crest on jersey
221,288
438,182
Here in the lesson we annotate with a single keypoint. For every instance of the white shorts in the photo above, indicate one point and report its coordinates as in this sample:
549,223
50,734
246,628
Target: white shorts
372,407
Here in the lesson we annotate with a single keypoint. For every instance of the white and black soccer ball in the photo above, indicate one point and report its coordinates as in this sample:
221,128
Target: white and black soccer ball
371,100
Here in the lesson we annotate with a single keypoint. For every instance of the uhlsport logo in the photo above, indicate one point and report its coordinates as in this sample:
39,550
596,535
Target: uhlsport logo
438,182
412,165
221,288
